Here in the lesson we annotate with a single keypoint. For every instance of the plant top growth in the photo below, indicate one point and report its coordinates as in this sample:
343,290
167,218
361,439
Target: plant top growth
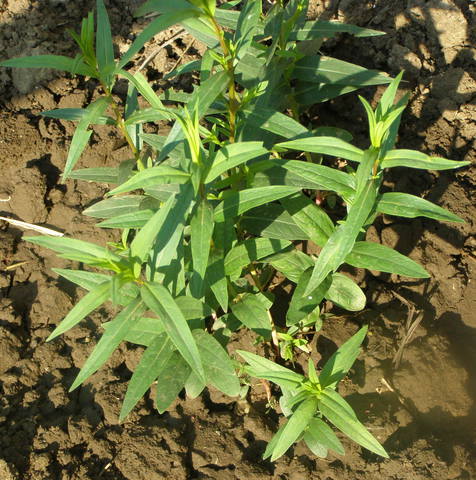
226,204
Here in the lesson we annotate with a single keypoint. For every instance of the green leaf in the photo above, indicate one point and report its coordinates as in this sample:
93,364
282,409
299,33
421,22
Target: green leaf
188,67
336,410
104,45
291,264
249,251
310,218
219,369
260,365
151,177
302,304
99,174
237,203
307,93
320,432
193,308
143,87
152,363
84,307
170,233
294,427
159,300
56,62
215,277
83,278
171,381
201,231
321,69
194,386
146,115
234,155
326,146
326,29
274,122
204,95
272,221
414,159
246,27
324,178
159,24
252,312
374,256
71,248
137,219
109,341
82,134
410,206
75,115
338,365
295,173
112,207
342,241
143,241
345,293
144,331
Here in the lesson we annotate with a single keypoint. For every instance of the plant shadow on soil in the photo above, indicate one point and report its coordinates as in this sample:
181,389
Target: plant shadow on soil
429,417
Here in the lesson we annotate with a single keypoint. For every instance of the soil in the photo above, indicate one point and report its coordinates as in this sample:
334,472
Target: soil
419,401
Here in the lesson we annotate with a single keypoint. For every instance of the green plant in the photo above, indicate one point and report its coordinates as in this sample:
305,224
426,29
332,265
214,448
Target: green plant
222,204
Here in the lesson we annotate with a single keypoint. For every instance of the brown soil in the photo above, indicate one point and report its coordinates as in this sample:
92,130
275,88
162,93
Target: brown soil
423,410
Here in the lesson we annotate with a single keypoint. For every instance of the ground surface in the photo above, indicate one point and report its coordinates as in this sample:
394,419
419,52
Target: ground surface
423,411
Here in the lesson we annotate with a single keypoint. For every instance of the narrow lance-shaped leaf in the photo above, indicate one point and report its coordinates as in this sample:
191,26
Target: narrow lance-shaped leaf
217,364
84,307
333,146
406,205
151,365
158,299
310,218
171,381
82,134
109,341
151,177
294,427
234,155
341,242
253,311
74,249
318,431
249,251
338,412
374,256
345,293
321,69
56,62
414,159
338,365
104,45
237,203
246,27
201,232
260,365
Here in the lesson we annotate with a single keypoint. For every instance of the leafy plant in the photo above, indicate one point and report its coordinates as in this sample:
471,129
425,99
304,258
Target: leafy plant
211,212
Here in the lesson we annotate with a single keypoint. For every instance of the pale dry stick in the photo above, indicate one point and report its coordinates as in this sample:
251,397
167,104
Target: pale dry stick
31,226
187,48
411,326
163,45
6,199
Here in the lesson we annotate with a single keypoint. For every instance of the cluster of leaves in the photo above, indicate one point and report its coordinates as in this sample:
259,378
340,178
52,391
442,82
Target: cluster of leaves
210,212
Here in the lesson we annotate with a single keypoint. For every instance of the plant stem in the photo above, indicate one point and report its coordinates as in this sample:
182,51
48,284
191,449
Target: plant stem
122,127
233,101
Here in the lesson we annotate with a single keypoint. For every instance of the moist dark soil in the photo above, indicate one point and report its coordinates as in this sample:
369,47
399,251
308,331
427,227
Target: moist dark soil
412,386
